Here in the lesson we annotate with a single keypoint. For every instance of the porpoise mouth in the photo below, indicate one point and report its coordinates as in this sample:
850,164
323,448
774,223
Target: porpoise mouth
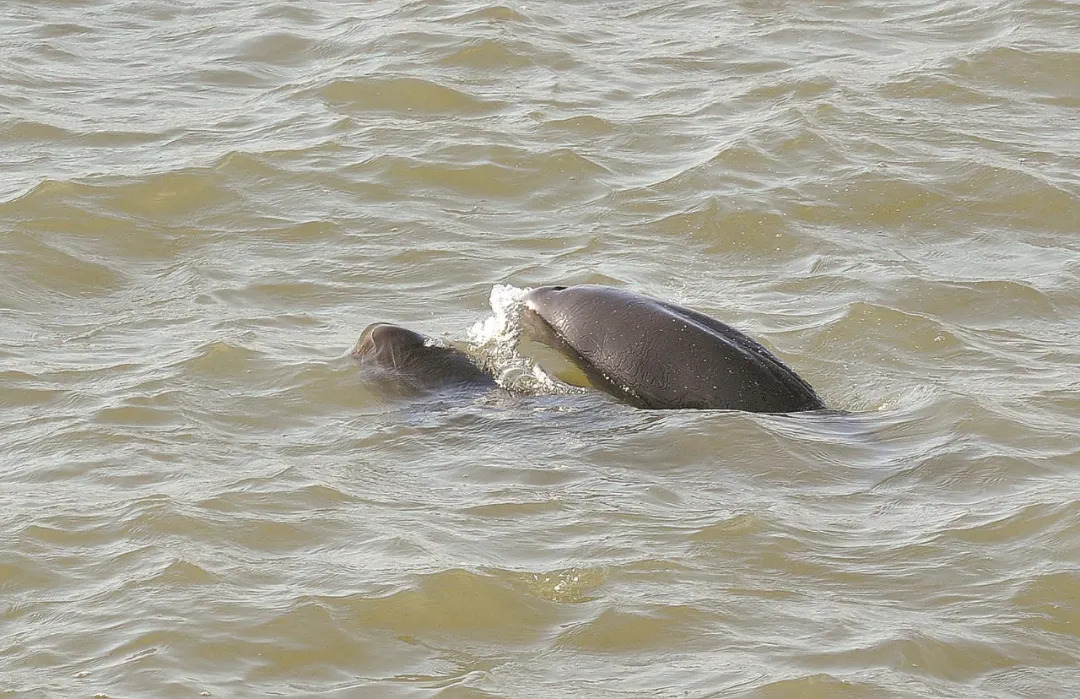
537,328
535,321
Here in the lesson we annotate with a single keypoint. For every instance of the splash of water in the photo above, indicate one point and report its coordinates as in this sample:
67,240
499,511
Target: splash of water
504,325
495,340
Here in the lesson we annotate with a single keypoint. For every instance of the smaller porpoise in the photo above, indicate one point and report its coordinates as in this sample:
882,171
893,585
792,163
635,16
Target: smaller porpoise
654,354
412,364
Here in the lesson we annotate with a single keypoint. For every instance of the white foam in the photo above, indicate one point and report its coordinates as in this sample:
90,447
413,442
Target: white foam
504,325
495,340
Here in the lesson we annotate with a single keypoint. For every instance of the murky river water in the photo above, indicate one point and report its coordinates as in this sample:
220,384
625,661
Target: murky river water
202,204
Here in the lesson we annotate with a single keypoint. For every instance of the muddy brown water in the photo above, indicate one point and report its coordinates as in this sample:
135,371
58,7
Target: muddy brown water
202,205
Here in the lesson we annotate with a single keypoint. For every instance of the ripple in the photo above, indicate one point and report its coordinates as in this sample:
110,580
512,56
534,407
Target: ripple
494,14
222,359
140,416
54,266
1028,523
1052,602
725,230
181,573
816,686
586,125
276,47
1011,68
480,606
958,660
669,628
231,77
487,54
914,332
404,95
21,130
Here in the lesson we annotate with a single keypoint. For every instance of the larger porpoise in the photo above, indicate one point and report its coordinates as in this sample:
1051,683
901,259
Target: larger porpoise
654,354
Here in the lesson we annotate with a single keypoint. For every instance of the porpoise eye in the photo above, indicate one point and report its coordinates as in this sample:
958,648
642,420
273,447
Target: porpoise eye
558,288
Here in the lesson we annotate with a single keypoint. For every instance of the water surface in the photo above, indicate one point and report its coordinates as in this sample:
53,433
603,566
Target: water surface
201,207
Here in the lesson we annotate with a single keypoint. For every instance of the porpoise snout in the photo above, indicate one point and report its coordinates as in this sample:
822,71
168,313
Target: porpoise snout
540,298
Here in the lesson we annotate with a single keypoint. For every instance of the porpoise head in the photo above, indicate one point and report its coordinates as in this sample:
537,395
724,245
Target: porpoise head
387,345
414,362
590,324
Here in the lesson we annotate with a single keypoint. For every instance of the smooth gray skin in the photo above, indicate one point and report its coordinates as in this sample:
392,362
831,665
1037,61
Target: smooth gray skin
406,362
654,354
